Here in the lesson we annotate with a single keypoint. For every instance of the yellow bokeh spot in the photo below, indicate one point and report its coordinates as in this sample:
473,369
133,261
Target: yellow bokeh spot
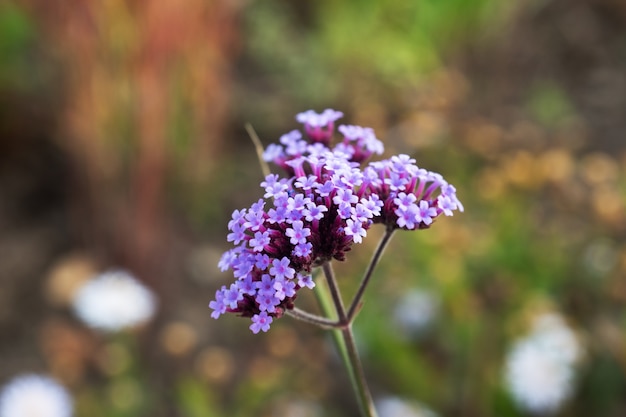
215,364
178,338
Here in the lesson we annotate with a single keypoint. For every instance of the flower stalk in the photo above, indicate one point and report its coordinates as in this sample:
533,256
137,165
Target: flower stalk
348,349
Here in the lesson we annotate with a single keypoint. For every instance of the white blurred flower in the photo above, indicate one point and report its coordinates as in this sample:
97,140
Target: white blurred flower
541,368
113,301
34,396
392,406
416,311
297,408
551,331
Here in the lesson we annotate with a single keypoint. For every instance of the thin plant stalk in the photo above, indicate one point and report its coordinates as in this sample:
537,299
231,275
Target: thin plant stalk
347,348
258,147
356,302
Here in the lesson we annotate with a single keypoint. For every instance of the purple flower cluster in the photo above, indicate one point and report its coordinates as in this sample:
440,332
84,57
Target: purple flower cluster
326,203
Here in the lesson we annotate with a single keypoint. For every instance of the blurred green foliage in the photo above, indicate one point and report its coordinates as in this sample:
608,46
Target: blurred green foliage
17,34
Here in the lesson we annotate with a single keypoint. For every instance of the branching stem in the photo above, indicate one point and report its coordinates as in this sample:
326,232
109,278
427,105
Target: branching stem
342,325
356,302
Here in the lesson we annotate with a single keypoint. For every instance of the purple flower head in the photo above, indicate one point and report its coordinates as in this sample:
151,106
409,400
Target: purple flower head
325,204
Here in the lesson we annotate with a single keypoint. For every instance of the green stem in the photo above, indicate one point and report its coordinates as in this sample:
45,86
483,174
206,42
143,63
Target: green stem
323,322
347,348
356,302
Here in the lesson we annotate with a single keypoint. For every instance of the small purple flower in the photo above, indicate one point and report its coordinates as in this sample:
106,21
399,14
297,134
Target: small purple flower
232,296
362,213
274,190
238,217
323,190
345,196
319,127
396,181
407,216
298,202
446,205
426,213
313,119
345,211
314,212
280,268
306,183
238,234
277,215
266,285
218,305
290,138
247,286
267,302
243,265
306,281
404,200
351,132
284,288
227,260
401,162
255,219
261,261
273,152
373,203
356,230
258,242
297,148
261,322
302,250
297,233
373,145
450,191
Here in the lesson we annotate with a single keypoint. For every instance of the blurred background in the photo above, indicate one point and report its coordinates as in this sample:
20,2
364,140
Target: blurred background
122,145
